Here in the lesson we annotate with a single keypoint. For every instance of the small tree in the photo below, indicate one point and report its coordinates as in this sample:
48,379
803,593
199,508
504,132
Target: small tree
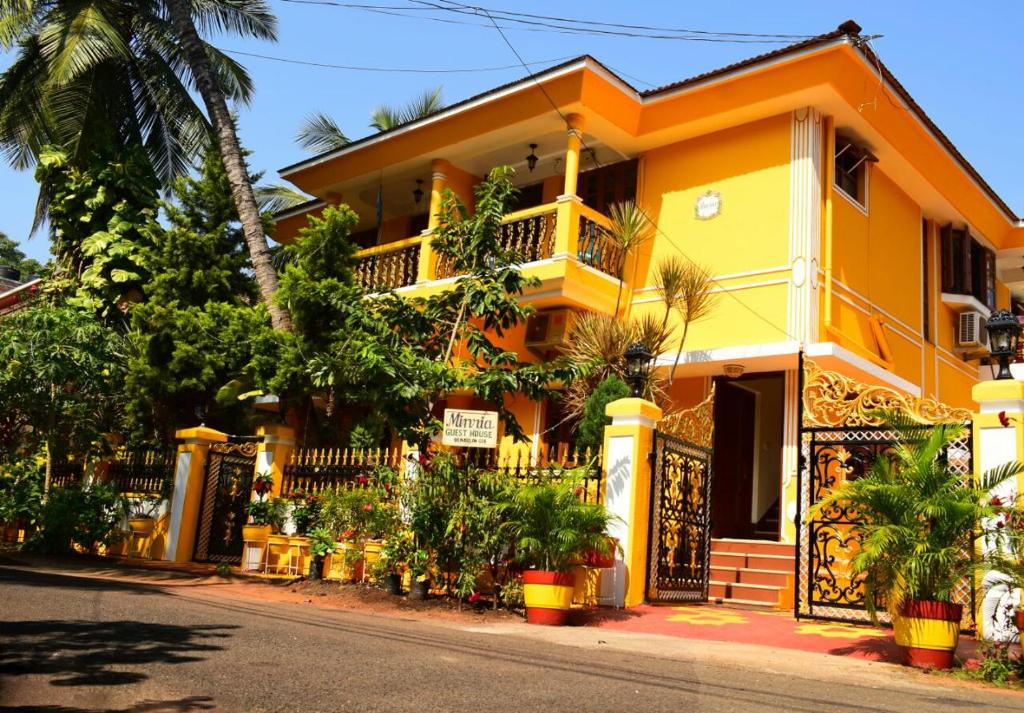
591,429
62,370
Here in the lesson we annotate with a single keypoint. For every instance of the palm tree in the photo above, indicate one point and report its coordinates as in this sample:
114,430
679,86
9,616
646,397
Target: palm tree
95,76
630,228
276,197
252,17
321,134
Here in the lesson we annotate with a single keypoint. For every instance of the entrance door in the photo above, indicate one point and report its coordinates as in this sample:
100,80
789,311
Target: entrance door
733,488
226,495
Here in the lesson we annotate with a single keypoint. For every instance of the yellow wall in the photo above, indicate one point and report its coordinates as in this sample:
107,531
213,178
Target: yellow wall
749,166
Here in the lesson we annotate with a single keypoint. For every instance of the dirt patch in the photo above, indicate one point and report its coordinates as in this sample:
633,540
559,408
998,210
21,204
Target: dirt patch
366,599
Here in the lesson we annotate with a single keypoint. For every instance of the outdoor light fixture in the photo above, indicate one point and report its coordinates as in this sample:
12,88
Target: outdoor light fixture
733,371
1003,335
417,195
638,366
531,160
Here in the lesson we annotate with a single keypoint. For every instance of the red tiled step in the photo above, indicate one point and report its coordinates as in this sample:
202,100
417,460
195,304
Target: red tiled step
739,560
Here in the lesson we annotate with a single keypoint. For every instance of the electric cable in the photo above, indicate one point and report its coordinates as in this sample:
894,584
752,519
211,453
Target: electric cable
413,70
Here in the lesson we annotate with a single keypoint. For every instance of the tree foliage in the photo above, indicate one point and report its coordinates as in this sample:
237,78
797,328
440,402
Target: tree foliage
102,219
12,256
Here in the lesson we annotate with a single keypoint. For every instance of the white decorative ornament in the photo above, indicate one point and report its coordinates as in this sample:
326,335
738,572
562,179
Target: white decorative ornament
708,205
799,271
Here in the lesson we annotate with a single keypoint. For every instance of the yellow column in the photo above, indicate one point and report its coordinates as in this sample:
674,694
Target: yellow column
575,122
627,445
438,181
189,481
995,444
273,453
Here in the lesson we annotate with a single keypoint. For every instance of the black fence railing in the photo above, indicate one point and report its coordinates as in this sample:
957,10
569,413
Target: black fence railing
63,474
144,472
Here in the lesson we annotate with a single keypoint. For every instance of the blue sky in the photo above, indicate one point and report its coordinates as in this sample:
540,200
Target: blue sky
961,62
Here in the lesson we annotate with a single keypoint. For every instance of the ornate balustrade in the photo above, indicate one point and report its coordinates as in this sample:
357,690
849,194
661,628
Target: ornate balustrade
528,234
389,266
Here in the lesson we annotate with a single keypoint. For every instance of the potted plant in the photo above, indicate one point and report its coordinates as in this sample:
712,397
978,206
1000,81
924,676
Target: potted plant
321,544
552,531
918,528
142,514
305,511
419,570
394,558
265,514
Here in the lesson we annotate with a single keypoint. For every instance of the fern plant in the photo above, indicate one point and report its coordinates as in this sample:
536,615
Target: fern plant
919,523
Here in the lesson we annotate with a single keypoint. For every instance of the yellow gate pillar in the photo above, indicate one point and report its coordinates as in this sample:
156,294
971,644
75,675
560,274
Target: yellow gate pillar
189,474
627,447
998,434
273,453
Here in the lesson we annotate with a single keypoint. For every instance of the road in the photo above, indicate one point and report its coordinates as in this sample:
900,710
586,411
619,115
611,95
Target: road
76,643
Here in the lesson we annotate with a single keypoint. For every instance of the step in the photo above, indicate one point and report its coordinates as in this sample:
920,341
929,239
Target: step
759,593
739,560
745,604
746,575
760,547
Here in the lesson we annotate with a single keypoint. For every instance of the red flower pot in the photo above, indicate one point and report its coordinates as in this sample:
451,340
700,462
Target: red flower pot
602,560
548,596
1018,618
927,633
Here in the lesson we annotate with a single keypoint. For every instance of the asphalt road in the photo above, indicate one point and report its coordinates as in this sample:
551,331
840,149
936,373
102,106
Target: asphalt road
74,644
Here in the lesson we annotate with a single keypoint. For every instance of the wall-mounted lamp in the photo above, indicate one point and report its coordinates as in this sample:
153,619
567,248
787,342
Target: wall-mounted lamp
531,160
417,195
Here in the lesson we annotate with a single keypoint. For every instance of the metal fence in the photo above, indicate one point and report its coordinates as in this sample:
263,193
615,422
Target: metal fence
144,472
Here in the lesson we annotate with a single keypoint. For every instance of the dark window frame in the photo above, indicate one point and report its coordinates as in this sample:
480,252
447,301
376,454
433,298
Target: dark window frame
968,267
850,170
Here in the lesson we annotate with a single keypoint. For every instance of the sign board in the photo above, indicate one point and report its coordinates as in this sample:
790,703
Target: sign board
476,429
708,205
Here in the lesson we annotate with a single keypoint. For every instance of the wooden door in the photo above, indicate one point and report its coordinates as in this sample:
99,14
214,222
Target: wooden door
733,488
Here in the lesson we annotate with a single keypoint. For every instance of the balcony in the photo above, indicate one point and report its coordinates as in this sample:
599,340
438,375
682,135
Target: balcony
565,244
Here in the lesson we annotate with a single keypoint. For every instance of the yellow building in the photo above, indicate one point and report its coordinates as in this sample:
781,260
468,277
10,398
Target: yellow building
837,220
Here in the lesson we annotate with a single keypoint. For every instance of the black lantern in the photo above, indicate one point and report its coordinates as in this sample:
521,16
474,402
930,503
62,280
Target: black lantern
1003,335
417,195
531,160
638,366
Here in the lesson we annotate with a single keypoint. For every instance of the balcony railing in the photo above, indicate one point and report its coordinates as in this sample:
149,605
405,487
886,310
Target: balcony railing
547,231
595,245
389,266
528,234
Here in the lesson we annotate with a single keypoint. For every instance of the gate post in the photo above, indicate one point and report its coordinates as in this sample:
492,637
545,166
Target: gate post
1001,402
189,472
628,444
273,453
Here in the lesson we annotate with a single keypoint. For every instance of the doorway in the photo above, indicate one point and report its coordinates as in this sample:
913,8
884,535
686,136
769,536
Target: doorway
747,457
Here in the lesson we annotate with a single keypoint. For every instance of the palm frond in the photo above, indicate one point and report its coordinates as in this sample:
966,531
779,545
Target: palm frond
321,134
276,197
245,18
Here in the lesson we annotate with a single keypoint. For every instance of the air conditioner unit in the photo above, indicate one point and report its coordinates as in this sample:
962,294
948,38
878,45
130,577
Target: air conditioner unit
971,334
548,329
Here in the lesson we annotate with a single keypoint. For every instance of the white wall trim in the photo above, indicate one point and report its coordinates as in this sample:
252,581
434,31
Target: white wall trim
831,349
732,288
728,276
805,170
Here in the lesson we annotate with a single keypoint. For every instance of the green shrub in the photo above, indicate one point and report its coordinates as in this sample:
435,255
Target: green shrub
21,491
84,515
591,429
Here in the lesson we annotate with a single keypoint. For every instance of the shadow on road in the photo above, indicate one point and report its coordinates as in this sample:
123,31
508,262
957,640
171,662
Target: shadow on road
184,705
86,653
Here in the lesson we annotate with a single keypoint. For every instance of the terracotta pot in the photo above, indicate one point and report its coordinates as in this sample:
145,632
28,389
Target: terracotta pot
548,596
927,633
142,526
256,533
1018,618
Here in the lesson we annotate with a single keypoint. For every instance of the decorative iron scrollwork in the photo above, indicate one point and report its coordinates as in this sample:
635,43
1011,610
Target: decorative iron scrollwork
833,400
695,425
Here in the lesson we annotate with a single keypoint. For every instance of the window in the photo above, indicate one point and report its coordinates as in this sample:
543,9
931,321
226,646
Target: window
968,267
418,223
529,197
851,170
599,188
364,238
926,330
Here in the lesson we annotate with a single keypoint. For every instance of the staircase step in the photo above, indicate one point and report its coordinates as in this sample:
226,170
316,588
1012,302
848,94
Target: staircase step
750,547
746,575
761,594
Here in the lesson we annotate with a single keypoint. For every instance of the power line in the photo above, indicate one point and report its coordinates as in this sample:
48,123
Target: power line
657,227
544,23
414,70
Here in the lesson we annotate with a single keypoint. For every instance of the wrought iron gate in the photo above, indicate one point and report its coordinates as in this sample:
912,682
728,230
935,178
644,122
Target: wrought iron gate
840,437
226,495
679,558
